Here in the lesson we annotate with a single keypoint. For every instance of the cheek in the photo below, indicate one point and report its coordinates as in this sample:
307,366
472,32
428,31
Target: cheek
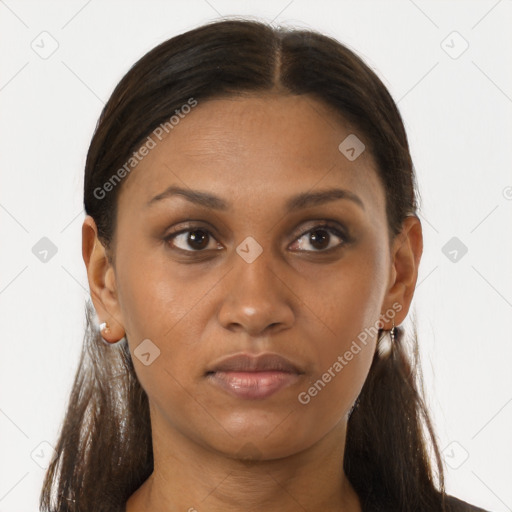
332,390
342,315
346,300
344,355
160,304
154,294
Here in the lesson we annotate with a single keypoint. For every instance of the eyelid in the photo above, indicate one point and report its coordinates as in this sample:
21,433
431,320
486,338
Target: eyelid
336,227
190,225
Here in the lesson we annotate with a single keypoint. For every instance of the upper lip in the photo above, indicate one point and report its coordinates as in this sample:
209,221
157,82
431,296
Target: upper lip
253,363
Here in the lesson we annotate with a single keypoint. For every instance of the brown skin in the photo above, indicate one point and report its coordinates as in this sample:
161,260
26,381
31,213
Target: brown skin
254,152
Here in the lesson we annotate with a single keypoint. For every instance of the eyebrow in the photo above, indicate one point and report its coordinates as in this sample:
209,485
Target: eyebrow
303,200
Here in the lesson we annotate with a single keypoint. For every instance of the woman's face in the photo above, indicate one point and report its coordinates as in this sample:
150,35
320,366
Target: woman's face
249,271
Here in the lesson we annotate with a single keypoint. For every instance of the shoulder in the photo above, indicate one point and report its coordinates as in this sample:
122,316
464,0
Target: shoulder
454,504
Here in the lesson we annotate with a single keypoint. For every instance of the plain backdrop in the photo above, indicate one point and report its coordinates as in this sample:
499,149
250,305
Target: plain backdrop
447,65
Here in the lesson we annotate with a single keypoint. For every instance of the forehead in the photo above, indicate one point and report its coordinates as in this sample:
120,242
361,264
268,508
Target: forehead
257,145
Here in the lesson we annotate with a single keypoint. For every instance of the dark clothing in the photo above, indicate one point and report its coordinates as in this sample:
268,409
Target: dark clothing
456,505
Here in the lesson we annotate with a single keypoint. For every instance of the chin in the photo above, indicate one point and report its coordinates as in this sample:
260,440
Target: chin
253,438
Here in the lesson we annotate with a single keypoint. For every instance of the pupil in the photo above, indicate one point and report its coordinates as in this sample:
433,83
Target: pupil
321,239
194,238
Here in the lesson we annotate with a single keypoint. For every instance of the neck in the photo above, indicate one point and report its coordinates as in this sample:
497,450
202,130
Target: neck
189,477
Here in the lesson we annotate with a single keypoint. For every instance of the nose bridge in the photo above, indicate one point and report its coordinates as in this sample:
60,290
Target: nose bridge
257,297
254,276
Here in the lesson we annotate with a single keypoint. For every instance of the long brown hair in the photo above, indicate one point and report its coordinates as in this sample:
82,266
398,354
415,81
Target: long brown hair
104,451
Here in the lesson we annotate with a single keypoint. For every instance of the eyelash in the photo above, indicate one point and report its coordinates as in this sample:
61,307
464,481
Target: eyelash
325,226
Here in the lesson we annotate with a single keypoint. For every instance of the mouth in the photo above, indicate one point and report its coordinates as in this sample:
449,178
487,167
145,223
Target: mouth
252,377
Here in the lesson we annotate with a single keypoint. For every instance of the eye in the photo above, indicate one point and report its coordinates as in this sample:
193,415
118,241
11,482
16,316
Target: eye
319,238
194,239
198,239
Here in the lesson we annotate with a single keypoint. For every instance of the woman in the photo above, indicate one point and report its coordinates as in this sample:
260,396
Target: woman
252,247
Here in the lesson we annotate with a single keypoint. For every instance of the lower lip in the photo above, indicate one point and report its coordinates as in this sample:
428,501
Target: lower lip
253,385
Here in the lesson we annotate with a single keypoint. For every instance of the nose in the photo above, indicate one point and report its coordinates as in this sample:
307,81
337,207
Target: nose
257,299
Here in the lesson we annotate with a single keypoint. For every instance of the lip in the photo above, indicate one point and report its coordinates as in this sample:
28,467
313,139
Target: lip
253,377
244,362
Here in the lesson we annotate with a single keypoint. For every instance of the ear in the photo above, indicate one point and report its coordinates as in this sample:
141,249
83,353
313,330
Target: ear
102,281
405,259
